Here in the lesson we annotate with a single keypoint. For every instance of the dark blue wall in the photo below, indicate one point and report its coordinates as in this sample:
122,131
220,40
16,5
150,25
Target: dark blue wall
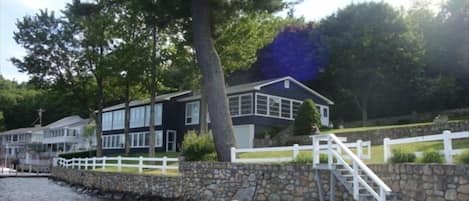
294,92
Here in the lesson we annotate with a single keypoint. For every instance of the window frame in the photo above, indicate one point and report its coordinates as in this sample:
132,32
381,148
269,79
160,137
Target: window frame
191,115
292,115
240,104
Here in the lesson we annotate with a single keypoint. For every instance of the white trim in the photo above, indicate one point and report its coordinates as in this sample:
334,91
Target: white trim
258,87
240,105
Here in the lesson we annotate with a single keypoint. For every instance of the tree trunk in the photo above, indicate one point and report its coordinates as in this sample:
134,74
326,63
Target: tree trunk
213,79
151,144
127,117
99,117
203,111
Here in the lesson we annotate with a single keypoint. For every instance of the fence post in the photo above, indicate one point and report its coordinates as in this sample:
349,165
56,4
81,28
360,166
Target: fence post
359,149
94,163
296,150
73,163
386,151
448,146
315,151
233,154
355,180
86,163
79,163
164,164
104,163
140,164
329,152
119,163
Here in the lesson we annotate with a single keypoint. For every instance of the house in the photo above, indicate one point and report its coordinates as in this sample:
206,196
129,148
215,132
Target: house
67,135
14,143
255,108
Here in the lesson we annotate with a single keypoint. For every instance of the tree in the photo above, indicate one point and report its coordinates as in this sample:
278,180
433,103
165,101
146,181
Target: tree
211,67
307,118
373,56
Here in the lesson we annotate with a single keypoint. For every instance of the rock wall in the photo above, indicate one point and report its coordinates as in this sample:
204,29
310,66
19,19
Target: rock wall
426,182
273,182
375,136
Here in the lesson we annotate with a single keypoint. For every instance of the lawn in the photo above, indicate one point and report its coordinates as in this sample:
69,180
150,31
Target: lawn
366,128
376,151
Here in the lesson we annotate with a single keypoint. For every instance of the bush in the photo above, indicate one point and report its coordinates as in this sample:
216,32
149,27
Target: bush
432,157
308,117
198,147
464,158
83,154
399,156
303,158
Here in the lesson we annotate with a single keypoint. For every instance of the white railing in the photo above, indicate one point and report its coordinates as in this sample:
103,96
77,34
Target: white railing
335,149
447,138
359,146
119,162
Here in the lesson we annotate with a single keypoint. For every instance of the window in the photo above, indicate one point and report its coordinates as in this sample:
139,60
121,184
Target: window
118,119
274,106
159,139
286,108
295,107
158,114
137,117
246,104
107,121
192,113
234,105
286,84
325,112
113,141
261,104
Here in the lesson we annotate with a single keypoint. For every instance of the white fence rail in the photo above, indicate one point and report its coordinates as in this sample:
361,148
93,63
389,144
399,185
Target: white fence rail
119,162
446,137
359,146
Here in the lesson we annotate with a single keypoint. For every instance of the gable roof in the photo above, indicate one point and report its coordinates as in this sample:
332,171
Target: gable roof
163,97
253,86
22,130
70,121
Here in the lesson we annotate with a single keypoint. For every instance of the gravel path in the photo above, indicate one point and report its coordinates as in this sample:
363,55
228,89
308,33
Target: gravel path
38,189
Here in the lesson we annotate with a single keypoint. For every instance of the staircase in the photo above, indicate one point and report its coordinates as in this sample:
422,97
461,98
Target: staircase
359,180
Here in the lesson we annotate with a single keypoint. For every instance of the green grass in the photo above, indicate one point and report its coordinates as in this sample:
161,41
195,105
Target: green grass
367,128
376,151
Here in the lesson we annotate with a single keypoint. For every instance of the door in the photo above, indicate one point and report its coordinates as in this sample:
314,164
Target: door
244,135
170,140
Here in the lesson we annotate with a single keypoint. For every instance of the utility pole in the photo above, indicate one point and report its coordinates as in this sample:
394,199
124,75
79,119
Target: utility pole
40,111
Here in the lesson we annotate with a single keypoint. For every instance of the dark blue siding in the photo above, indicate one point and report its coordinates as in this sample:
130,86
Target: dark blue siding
294,92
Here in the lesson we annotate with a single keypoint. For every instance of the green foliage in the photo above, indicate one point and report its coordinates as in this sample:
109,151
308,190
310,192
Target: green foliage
83,154
271,132
463,158
198,147
400,156
303,158
431,157
307,117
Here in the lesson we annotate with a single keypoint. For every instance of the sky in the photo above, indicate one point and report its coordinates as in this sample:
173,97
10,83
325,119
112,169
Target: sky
11,10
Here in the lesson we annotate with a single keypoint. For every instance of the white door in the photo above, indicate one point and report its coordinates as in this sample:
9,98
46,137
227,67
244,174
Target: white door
170,140
244,135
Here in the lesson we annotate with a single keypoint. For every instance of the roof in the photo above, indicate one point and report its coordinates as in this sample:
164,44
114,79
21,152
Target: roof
258,85
163,97
70,121
22,130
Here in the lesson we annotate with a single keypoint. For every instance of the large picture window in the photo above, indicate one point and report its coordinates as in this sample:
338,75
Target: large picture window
118,119
192,113
158,114
107,121
275,106
113,141
137,117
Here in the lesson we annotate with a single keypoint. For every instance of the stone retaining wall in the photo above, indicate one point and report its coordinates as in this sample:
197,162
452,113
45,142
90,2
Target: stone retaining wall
273,182
375,136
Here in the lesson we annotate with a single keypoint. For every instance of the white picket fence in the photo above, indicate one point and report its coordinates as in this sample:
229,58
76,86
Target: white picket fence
446,136
359,146
119,162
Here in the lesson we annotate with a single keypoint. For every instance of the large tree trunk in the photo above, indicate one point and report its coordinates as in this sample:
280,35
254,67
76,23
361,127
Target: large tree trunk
151,144
127,117
203,111
99,117
213,79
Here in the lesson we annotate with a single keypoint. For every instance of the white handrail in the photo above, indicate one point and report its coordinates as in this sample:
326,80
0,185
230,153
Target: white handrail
357,164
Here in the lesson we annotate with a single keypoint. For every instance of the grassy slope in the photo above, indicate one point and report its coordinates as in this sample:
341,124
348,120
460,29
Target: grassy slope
345,130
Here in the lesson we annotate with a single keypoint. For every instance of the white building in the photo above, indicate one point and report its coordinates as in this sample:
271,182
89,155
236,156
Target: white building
68,135
14,143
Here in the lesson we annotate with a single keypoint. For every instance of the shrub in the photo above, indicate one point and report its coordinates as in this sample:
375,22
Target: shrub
399,156
198,147
464,157
302,158
432,157
83,154
307,117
